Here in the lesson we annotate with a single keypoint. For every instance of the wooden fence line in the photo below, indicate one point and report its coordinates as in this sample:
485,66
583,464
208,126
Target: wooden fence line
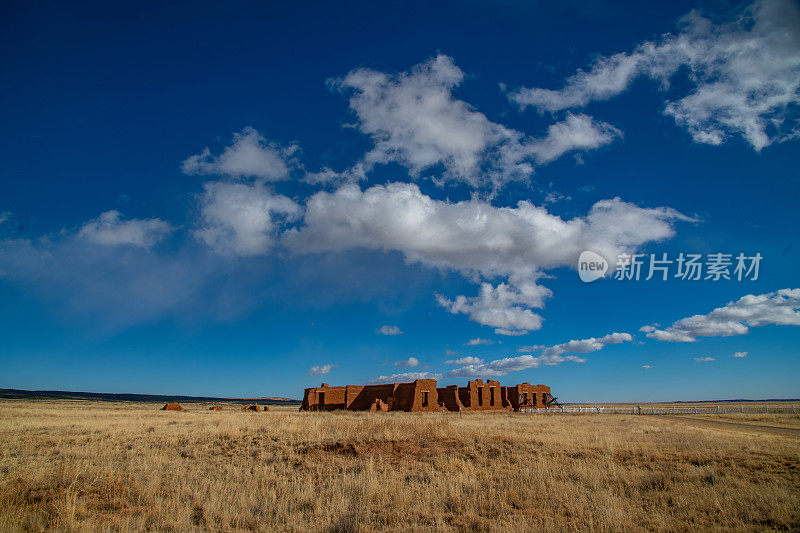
675,410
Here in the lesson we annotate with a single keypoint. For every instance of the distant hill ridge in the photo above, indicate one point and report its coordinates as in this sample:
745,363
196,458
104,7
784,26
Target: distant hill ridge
125,397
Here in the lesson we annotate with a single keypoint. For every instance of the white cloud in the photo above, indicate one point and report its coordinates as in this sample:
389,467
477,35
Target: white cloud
704,359
242,219
744,75
414,120
551,356
577,132
328,176
250,155
502,367
735,318
647,367
477,239
478,341
472,236
405,376
411,362
467,360
739,355
390,330
510,332
589,345
111,230
5,216
451,352
504,307
320,370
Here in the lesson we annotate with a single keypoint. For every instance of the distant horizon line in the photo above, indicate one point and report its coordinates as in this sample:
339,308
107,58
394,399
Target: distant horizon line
21,394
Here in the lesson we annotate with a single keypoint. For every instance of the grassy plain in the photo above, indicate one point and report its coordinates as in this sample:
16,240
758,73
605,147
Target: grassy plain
100,466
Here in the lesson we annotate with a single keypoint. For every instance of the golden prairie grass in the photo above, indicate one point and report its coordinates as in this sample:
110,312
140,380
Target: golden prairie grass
100,466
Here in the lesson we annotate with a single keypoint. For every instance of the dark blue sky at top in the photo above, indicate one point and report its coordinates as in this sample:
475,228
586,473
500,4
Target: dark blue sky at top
100,103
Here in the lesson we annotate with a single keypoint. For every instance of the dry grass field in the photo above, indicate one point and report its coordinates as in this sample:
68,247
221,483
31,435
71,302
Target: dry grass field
101,466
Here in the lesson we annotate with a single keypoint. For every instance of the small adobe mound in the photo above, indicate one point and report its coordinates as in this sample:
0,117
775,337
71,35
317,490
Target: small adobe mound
253,407
173,406
215,408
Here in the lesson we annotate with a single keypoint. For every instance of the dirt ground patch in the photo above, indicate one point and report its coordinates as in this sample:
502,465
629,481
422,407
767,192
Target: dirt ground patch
732,424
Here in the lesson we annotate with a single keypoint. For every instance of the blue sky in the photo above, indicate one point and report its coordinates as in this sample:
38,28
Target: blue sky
250,199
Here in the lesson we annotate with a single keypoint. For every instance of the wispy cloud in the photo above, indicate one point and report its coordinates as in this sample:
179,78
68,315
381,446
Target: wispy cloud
414,120
411,362
405,376
591,344
390,330
250,155
479,342
111,229
468,360
502,367
320,370
704,359
550,356
735,318
758,53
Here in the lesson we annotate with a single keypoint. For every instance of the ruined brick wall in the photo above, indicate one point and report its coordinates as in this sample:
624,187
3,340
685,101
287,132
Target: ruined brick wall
324,398
527,396
420,395
423,395
480,396
361,398
448,396
493,396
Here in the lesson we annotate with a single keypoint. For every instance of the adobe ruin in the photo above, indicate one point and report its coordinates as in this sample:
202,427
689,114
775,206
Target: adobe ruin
424,395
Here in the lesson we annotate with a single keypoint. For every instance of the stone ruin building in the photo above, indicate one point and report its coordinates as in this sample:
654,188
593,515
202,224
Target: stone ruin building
424,395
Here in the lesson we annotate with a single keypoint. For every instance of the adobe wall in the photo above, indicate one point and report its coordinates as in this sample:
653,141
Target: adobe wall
423,395
362,397
480,396
449,398
324,398
527,396
420,395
